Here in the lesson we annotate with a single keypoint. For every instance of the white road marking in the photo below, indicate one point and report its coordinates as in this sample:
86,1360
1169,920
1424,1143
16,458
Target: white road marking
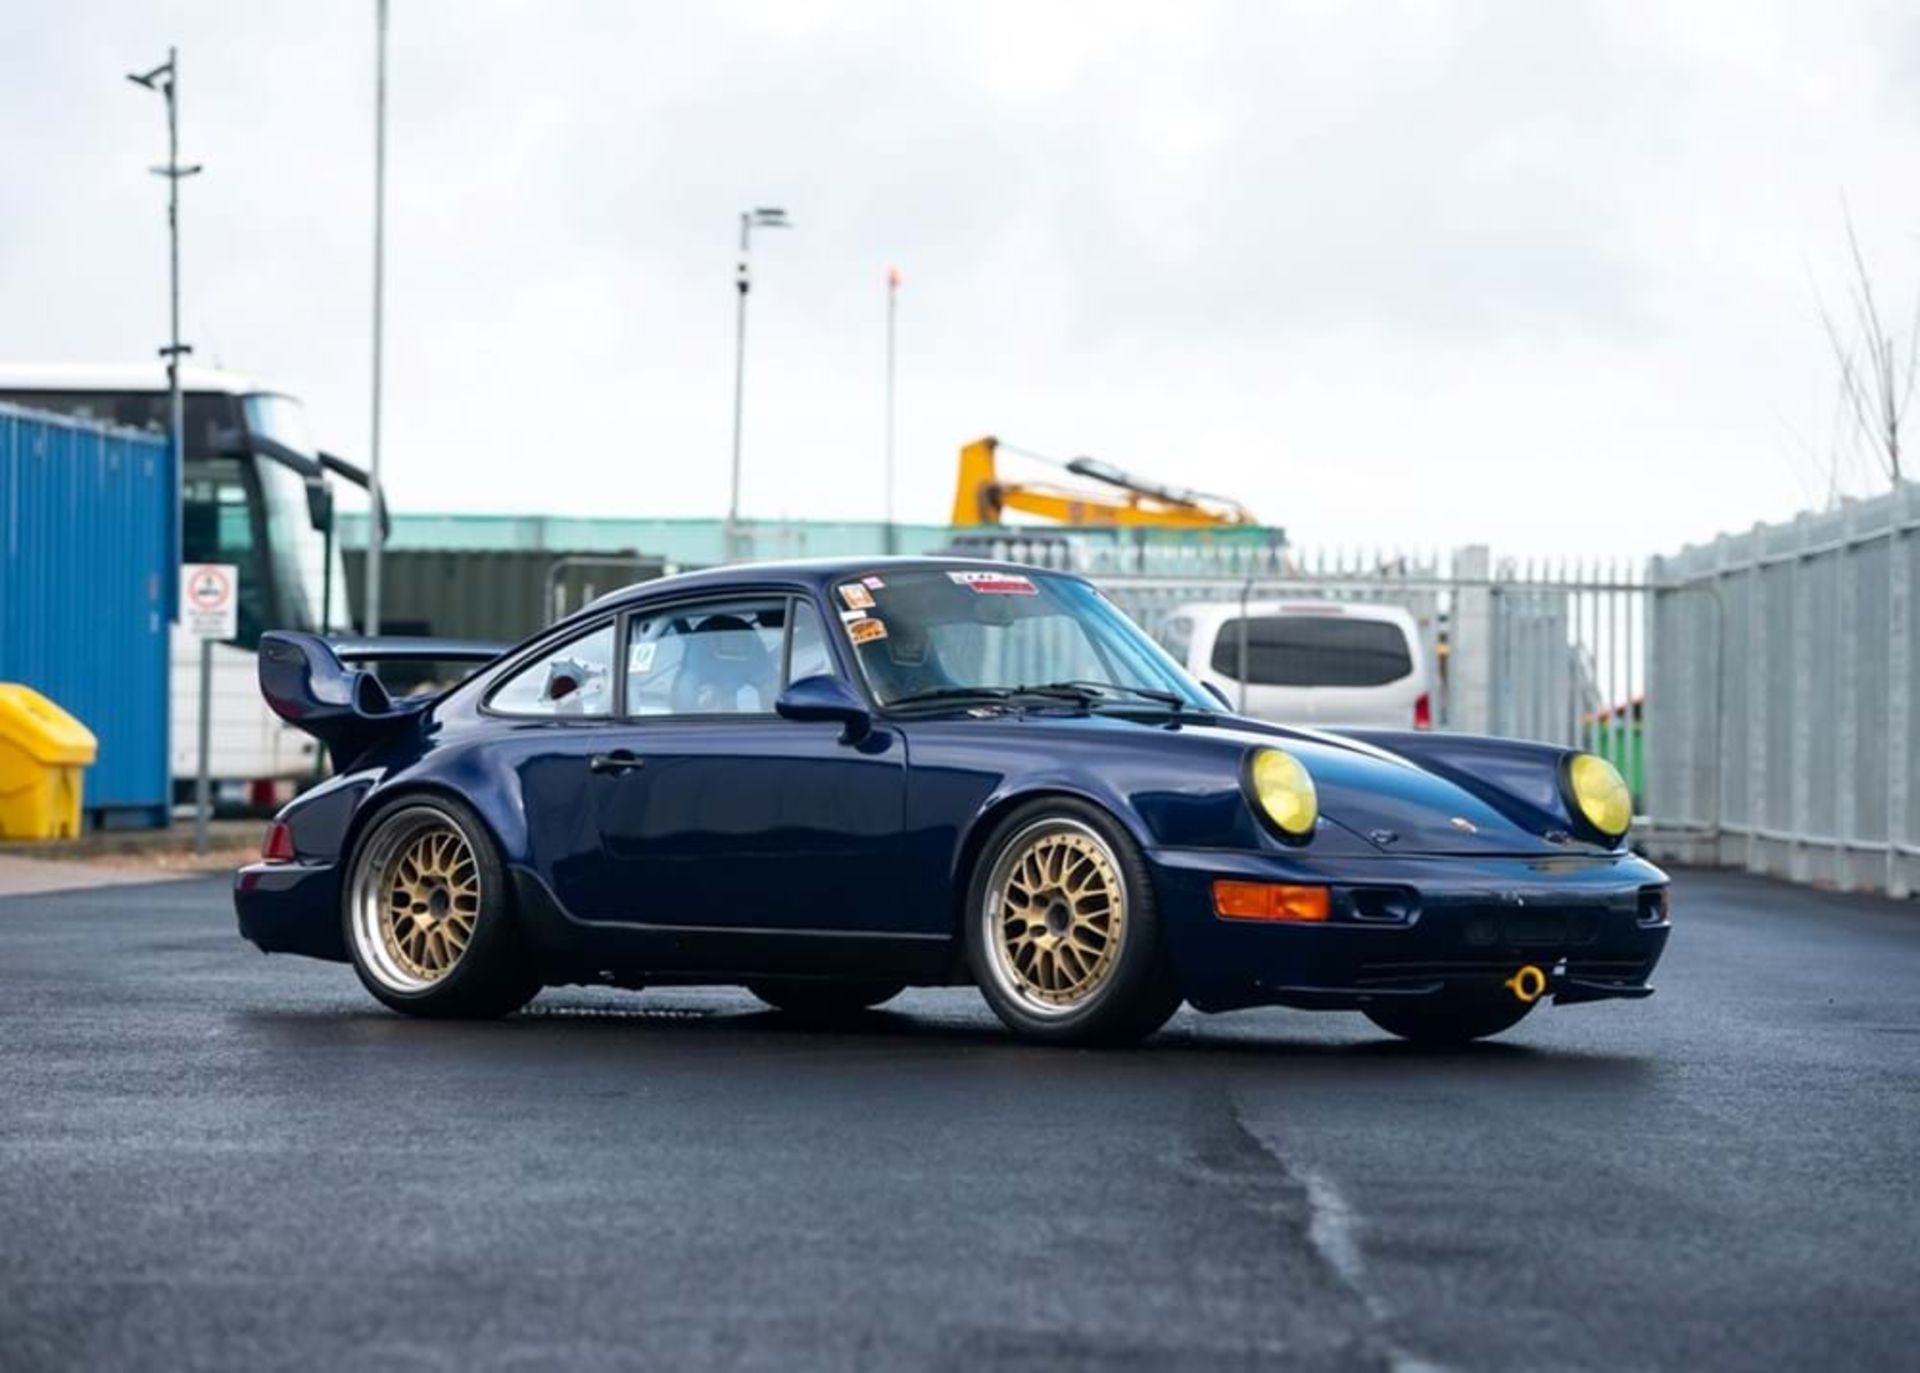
1333,1229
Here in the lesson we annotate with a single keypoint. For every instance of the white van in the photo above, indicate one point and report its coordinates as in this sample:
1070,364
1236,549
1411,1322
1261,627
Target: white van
1308,662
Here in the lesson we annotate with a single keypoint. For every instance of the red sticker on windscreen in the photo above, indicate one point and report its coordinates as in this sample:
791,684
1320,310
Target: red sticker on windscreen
996,583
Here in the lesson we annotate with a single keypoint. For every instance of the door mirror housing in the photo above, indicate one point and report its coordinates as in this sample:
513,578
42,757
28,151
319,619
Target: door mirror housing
826,698
319,506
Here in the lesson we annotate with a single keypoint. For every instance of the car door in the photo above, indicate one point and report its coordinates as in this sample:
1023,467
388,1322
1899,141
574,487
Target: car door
557,713
730,818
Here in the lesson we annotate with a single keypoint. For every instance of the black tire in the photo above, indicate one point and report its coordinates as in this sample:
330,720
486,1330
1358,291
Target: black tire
1449,1022
824,999
490,976
1128,990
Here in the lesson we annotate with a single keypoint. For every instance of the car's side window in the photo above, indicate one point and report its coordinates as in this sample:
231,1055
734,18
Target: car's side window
718,658
575,679
809,656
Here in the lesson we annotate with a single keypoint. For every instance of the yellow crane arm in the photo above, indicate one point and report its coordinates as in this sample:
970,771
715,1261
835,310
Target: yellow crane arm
980,497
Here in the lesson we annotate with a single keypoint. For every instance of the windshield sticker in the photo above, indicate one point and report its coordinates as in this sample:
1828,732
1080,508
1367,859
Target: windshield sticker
996,583
849,616
867,631
873,583
856,596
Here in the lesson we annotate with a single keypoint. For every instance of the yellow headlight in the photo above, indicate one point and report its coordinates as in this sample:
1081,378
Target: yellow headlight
1601,794
1285,791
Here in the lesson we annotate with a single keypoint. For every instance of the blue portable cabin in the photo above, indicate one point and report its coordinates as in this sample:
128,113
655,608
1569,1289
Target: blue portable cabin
87,581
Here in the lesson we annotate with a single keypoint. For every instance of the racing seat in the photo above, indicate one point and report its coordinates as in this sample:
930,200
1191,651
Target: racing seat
906,662
726,670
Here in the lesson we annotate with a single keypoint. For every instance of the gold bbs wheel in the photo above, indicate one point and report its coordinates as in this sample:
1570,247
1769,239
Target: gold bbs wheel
1055,917
416,898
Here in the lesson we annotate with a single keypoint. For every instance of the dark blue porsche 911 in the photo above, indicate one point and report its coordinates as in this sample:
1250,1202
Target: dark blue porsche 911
830,781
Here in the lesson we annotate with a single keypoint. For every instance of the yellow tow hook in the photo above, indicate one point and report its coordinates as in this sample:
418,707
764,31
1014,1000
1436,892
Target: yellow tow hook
1529,984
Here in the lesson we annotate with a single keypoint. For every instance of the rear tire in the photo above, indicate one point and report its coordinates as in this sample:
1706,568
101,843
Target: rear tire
1448,1022
1062,930
428,914
826,999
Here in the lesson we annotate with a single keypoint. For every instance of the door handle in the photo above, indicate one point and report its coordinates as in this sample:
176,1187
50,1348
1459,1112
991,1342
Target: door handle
620,760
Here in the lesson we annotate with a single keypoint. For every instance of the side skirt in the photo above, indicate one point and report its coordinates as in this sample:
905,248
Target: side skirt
621,952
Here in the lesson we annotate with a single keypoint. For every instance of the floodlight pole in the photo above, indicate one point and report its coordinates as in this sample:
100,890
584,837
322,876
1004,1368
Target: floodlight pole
893,311
165,79
765,218
376,532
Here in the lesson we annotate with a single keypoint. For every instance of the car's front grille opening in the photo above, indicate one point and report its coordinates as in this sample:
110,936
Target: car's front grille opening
1382,905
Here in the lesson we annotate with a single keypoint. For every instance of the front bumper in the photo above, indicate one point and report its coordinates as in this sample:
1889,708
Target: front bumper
1418,927
291,908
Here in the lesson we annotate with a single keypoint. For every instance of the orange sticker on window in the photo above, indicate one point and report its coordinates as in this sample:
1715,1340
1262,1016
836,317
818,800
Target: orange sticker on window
856,596
867,631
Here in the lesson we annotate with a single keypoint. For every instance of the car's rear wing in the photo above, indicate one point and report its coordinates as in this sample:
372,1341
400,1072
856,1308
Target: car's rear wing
317,685
404,649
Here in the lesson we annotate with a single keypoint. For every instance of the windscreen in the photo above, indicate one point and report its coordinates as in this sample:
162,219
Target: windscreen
924,631
1314,651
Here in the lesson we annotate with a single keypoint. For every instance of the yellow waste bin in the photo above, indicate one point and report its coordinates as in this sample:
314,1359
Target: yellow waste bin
43,753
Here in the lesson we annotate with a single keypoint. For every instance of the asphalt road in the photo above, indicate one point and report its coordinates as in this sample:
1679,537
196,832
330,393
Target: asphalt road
212,1158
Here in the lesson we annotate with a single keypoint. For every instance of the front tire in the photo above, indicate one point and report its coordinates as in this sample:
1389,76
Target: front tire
1448,1022
1062,930
429,914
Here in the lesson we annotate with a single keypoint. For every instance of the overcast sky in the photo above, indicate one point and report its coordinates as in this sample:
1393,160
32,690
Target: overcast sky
1544,276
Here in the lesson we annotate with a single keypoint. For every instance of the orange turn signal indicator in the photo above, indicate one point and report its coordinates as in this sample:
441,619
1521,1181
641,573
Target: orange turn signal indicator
1270,901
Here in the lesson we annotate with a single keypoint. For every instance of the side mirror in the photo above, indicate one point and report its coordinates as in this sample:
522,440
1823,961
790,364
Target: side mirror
826,698
1214,690
319,506
229,442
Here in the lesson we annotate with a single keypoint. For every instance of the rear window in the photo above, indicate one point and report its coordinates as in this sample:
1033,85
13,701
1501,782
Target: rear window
1314,651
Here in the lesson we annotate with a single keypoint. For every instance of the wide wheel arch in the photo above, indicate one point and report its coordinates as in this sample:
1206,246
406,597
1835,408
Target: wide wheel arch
380,800
491,978
967,857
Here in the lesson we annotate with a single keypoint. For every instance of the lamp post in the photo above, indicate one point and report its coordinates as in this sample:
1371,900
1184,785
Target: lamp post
376,532
766,217
165,79
893,311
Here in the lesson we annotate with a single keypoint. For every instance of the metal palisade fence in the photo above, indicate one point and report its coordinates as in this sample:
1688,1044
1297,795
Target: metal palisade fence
1785,740
1757,691
1554,651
